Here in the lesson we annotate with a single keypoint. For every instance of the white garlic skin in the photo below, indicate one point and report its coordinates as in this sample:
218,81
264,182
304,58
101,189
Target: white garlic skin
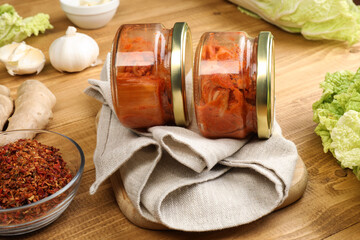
73,52
20,58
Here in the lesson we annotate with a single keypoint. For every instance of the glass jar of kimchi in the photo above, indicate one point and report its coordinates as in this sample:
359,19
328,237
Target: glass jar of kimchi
148,67
234,84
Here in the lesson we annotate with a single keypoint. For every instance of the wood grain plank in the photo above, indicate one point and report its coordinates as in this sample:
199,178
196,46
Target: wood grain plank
350,233
329,207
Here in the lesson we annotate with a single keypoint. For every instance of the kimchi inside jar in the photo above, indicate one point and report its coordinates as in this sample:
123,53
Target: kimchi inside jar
227,101
141,80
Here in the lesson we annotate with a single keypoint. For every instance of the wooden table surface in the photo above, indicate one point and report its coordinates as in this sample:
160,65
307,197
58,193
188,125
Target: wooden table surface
330,207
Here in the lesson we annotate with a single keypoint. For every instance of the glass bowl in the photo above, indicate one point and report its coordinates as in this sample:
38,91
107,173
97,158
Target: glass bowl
31,217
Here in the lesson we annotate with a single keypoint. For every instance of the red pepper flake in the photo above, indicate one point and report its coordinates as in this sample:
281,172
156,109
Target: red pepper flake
29,172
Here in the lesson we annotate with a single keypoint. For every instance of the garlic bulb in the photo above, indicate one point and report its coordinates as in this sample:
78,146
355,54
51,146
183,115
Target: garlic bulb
20,58
73,52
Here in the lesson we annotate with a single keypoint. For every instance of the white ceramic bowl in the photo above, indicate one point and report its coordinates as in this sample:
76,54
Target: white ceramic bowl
89,17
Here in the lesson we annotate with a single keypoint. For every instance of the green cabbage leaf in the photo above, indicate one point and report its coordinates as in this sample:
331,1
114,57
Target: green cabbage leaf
14,28
346,139
338,116
314,19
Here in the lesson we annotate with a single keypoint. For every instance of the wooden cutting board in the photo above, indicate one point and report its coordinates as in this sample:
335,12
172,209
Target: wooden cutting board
297,189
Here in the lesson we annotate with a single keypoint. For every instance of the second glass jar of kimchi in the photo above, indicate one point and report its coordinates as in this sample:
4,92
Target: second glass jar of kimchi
234,84
149,64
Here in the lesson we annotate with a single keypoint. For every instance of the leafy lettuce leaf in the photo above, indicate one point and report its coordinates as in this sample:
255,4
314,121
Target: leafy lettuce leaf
338,116
14,28
314,19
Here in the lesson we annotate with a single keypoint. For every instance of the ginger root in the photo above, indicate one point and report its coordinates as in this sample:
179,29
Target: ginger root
4,90
33,110
6,105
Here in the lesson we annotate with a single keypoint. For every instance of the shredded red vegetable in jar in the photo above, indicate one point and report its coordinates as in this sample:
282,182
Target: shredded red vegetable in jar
225,85
142,90
29,172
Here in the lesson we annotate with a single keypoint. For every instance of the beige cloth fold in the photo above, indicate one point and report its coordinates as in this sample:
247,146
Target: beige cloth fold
184,181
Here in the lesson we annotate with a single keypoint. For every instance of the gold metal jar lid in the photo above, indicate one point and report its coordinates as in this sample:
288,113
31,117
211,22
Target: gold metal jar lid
181,66
265,84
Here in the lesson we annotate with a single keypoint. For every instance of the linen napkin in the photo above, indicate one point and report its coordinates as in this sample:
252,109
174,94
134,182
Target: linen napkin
176,177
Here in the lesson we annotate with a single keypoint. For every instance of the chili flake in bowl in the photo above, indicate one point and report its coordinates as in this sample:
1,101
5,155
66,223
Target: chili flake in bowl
38,179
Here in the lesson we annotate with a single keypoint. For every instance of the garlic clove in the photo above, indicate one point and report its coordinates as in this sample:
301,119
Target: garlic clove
20,58
19,52
33,61
7,50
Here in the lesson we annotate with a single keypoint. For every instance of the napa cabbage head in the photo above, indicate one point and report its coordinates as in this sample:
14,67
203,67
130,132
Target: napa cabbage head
337,114
14,28
314,19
